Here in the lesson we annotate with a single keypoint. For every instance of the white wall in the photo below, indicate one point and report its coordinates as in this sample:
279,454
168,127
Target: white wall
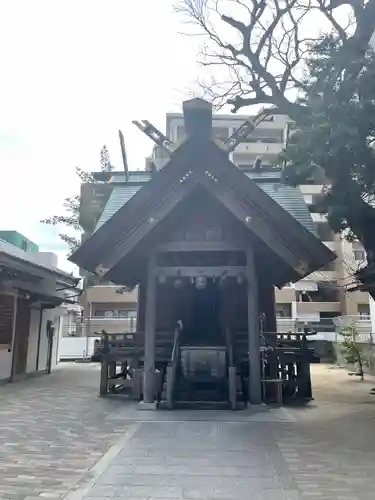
48,259
372,313
76,347
48,314
5,364
33,340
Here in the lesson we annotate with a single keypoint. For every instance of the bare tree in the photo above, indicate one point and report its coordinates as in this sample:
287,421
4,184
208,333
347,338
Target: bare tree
258,47
311,60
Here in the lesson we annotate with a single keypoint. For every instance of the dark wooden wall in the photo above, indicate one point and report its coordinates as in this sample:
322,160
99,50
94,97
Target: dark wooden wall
200,220
21,341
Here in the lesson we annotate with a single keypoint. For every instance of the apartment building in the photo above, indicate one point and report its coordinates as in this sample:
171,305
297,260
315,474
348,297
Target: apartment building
106,306
319,298
323,295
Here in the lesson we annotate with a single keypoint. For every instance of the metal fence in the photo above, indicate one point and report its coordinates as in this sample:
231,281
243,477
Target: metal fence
94,326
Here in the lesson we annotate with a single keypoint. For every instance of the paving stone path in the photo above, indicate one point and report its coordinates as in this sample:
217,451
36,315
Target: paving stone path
59,440
52,430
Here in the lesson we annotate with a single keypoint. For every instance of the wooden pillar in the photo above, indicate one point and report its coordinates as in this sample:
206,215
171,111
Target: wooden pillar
150,333
269,307
141,306
104,365
255,393
14,336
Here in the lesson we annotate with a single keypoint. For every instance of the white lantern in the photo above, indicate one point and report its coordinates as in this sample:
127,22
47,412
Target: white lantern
200,282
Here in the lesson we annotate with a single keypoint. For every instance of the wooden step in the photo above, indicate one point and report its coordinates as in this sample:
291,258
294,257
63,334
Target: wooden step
202,405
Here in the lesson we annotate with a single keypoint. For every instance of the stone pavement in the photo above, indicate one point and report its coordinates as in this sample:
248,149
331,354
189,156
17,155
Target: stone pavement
52,430
58,439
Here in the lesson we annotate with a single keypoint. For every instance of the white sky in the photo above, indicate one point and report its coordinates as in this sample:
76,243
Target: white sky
72,73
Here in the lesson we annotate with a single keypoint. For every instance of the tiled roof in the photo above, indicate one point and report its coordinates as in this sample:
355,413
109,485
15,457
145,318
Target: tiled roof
134,176
119,196
288,197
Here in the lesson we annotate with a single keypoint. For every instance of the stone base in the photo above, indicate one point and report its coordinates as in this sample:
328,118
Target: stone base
142,406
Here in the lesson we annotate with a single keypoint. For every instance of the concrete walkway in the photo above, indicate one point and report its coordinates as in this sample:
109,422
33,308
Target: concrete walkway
58,439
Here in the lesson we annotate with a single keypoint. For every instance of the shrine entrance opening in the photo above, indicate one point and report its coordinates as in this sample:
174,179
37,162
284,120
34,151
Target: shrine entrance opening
205,293
205,326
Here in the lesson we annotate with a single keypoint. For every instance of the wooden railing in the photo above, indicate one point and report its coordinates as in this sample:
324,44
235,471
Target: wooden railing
232,375
172,367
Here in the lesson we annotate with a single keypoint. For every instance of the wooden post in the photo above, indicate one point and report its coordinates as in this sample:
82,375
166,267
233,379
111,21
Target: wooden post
232,379
255,393
104,364
271,326
137,384
104,377
150,327
303,370
170,383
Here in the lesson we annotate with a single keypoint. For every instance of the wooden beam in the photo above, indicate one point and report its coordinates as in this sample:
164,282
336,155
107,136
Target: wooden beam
202,246
249,217
154,216
150,334
207,271
141,306
255,393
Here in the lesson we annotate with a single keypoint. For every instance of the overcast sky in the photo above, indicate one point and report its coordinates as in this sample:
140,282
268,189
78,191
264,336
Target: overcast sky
73,73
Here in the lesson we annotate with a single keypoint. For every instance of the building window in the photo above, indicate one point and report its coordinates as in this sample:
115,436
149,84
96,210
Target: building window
364,311
316,203
105,313
359,255
327,292
265,135
328,314
283,310
115,313
127,313
325,233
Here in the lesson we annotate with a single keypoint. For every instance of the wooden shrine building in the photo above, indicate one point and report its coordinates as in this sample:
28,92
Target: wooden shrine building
206,245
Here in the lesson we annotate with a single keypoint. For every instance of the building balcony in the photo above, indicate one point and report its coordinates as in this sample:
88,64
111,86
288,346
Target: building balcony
322,276
285,295
307,189
316,217
362,324
258,148
359,297
110,294
306,285
307,308
94,326
286,325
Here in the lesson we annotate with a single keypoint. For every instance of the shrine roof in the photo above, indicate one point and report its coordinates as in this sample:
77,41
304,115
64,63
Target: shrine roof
288,197
273,216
